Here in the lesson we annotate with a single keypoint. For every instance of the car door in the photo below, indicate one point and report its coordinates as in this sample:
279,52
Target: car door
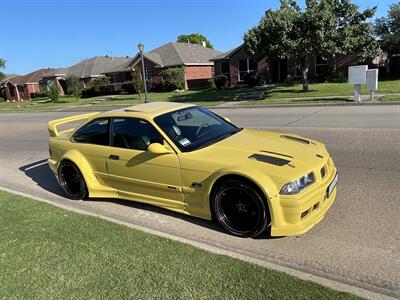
138,174
93,141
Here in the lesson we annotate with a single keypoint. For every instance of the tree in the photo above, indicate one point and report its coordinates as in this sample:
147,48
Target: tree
325,27
137,82
2,66
388,30
73,86
54,92
194,38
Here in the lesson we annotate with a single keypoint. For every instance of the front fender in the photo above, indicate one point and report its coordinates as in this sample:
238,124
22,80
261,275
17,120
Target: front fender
262,180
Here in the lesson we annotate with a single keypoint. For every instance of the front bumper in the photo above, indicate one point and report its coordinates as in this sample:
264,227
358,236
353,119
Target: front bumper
295,215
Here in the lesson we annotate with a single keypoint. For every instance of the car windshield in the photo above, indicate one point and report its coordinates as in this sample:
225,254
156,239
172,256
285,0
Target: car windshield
194,128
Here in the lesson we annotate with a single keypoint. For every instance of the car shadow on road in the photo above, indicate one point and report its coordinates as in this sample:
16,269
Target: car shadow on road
41,174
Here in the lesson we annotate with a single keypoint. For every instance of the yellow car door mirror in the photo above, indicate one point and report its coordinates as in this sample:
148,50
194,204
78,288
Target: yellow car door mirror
157,148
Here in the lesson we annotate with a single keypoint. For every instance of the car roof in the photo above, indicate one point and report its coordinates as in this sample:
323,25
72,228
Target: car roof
149,110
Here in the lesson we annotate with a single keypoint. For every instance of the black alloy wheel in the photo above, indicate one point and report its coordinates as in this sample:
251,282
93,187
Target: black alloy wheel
240,208
71,181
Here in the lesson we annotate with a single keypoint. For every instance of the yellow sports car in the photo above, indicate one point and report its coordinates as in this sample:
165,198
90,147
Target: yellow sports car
187,159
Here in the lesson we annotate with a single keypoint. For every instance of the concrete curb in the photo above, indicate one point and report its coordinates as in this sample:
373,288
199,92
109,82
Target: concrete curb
368,294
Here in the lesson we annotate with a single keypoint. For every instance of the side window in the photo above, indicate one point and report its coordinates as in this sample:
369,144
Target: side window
96,132
131,133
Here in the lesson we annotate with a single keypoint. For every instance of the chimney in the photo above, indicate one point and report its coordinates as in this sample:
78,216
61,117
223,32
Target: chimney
203,43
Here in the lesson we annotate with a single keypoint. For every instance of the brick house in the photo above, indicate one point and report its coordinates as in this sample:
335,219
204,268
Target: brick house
194,58
85,71
23,87
236,64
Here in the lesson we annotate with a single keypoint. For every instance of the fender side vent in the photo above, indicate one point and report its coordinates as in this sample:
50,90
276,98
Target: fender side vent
270,159
295,139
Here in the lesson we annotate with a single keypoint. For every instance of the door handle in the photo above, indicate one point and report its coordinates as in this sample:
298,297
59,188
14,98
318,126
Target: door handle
114,157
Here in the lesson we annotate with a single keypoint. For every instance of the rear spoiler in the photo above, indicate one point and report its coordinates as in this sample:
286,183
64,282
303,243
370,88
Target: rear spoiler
52,125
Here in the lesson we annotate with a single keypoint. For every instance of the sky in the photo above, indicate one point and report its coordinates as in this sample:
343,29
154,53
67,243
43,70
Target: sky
59,33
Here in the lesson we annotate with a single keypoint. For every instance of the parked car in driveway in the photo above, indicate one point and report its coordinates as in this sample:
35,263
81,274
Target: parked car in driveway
185,158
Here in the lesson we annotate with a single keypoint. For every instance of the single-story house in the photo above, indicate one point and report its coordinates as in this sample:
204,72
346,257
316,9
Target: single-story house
22,87
85,71
236,64
194,58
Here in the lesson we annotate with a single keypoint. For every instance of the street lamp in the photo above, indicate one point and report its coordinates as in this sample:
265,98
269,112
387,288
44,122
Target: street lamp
141,49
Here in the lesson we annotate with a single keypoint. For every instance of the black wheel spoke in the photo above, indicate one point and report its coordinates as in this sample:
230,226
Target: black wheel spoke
239,209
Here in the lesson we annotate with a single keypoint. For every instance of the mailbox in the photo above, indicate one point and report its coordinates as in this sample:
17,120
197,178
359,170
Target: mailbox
358,74
372,80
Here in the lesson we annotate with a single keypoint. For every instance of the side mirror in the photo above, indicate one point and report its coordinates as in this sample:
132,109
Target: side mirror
157,148
227,119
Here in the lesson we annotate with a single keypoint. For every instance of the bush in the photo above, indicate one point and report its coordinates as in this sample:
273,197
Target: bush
54,93
174,79
73,86
221,81
98,82
337,77
251,79
42,93
211,84
89,92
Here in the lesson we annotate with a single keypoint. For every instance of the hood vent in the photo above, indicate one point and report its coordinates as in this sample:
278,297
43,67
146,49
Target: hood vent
270,159
276,153
295,139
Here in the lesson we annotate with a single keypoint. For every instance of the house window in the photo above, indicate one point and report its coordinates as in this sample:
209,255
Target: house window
246,66
321,66
225,67
21,88
115,78
149,73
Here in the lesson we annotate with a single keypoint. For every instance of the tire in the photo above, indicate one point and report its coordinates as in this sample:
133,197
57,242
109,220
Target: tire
72,181
240,208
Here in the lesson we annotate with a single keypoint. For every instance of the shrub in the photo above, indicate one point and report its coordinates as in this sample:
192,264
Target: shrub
174,79
42,93
137,82
211,84
73,87
221,81
89,92
251,79
98,82
54,93
337,77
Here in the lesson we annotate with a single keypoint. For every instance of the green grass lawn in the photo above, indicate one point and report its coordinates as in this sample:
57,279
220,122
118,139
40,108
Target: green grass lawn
47,252
278,95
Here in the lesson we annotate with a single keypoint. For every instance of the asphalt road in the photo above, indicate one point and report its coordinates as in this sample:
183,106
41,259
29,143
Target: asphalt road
357,243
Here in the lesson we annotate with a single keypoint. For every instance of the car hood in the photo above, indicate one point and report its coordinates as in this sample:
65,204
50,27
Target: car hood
283,155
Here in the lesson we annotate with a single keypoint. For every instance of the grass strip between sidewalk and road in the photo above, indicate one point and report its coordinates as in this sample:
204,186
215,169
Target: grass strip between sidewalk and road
47,252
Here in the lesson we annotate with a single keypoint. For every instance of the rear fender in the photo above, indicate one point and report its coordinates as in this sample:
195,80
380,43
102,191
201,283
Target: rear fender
95,188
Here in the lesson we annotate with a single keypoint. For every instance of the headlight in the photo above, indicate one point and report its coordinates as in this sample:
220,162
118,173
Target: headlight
296,186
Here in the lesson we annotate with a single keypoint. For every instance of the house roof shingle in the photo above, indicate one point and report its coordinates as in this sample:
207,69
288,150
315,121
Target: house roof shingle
176,54
32,77
91,67
227,54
